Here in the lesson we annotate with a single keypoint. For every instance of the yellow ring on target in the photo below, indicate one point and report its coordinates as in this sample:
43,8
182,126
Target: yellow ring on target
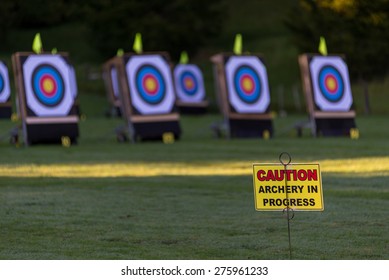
48,85
150,84
189,83
331,84
247,85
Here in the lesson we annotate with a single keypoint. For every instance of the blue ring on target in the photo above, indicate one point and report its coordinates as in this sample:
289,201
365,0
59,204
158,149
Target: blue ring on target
247,84
1,83
48,85
185,76
150,84
329,76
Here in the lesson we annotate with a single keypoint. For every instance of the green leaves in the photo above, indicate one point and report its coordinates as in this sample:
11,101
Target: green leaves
358,29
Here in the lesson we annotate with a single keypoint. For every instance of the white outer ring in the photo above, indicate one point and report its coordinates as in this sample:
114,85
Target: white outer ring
73,81
114,82
6,92
132,66
63,108
240,106
344,104
195,70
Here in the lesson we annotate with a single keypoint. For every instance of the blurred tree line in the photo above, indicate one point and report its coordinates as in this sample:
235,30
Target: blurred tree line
22,14
359,29
173,25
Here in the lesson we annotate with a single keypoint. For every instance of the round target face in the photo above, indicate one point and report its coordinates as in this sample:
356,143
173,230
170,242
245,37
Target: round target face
247,84
115,82
331,85
150,84
5,90
189,83
73,81
48,85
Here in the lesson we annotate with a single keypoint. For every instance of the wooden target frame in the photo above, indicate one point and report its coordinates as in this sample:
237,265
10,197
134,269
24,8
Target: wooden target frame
5,92
58,118
112,87
330,107
147,119
245,116
74,88
190,89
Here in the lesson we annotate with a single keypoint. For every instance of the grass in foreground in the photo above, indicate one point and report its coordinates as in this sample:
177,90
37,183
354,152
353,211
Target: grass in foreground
189,200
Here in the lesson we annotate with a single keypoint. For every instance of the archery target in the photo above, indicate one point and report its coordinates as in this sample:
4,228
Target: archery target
5,90
150,83
331,85
73,81
48,85
115,82
247,84
189,83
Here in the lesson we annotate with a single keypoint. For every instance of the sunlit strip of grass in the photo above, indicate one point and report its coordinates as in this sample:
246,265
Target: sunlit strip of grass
359,166
363,167
140,169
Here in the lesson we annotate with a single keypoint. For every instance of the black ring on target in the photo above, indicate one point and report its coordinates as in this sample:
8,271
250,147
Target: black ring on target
189,83
2,83
150,84
247,84
48,85
331,83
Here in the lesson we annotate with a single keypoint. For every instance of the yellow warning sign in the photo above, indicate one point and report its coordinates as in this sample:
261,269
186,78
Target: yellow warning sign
295,186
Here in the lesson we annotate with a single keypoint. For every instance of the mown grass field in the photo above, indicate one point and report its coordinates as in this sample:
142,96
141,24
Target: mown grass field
192,199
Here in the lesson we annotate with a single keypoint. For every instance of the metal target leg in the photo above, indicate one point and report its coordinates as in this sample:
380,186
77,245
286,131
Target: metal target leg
289,218
121,134
121,137
14,136
14,140
285,160
133,136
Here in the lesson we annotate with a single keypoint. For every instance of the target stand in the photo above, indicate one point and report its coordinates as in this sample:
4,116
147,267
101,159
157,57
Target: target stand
45,99
328,94
5,92
74,89
189,86
147,96
243,95
111,82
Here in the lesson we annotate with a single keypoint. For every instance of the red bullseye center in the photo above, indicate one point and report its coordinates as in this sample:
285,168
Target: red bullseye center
247,84
48,86
189,83
331,83
150,84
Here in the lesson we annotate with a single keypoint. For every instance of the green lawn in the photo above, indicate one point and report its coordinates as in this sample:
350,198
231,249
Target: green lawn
192,199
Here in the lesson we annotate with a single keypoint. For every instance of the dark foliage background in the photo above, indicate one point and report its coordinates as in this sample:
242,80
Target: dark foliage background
357,28
174,25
